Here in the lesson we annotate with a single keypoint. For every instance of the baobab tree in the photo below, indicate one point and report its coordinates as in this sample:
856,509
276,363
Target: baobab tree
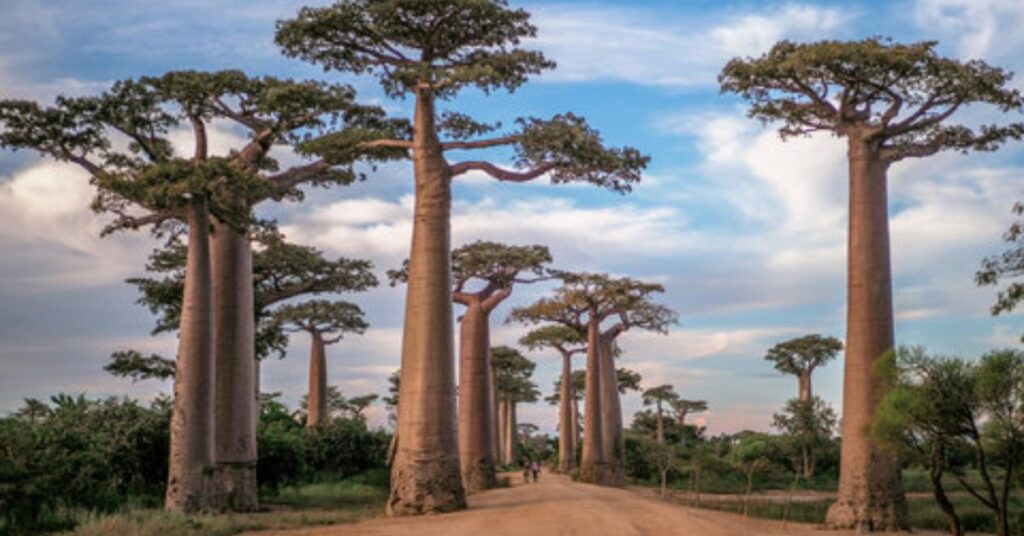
326,322
430,51
583,303
567,342
683,407
148,174
494,269
801,356
891,102
512,372
577,382
662,394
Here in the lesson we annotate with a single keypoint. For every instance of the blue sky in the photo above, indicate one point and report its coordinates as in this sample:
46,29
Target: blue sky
746,232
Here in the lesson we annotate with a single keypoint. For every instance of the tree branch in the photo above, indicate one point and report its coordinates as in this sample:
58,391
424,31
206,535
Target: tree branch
385,143
479,144
297,175
499,173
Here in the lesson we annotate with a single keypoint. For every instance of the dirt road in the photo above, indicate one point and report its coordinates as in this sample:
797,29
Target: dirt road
557,506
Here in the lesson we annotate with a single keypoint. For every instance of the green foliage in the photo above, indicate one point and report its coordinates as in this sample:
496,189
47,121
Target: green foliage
281,271
1007,265
583,294
84,453
954,414
803,354
148,173
512,372
409,44
102,456
627,380
134,365
497,266
391,400
323,317
684,407
574,152
895,96
341,407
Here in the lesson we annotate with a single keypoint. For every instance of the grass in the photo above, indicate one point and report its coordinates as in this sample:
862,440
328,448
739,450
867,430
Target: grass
324,503
924,512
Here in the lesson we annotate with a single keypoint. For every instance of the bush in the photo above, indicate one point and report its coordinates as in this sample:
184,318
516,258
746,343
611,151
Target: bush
99,456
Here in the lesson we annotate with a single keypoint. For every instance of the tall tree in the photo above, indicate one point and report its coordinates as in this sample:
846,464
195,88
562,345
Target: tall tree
891,102
326,322
801,356
662,394
1008,265
148,174
567,342
494,269
431,50
583,303
512,372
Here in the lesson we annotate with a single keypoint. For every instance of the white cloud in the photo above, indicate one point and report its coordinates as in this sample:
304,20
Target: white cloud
642,47
981,28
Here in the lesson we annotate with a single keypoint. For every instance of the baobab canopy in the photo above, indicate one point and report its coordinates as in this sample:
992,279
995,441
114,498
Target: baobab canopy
902,93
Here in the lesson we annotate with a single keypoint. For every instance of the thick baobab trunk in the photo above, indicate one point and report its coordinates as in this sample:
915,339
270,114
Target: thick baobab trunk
613,438
475,449
660,434
235,391
593,465
492,395
502,429
511,441
575,422
805,386
870,486
316,400
566,449
189,488
425,476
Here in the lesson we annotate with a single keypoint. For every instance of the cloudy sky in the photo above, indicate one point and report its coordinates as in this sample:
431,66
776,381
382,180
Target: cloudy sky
746,232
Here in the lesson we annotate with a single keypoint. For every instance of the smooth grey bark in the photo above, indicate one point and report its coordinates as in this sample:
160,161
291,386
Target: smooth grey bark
612,436
235,389
425,476
316,400
566,448
870,483
593,464
189,488
502,431
475,449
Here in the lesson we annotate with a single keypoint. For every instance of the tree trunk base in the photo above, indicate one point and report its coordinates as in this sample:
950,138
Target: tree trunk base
603,474
877,515
236,486
421,487
478,475
192,494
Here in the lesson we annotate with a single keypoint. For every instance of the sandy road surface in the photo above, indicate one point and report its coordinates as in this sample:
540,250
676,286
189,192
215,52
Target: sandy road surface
557,506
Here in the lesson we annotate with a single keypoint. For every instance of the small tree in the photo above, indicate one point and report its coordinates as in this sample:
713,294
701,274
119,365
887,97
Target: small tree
754,453
662,394
891,102
664,457
326,323
567,342
808,424
956,415
801,356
